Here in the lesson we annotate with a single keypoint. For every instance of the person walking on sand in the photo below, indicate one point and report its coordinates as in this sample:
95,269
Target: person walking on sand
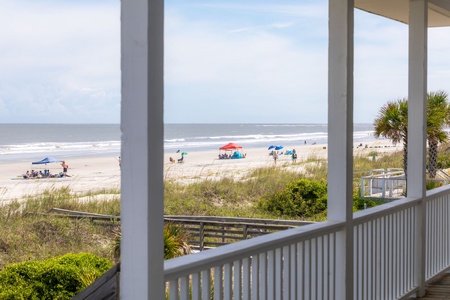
65,167
294,156
275,156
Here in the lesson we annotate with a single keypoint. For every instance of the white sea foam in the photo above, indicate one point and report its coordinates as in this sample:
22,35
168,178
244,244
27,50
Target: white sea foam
25,141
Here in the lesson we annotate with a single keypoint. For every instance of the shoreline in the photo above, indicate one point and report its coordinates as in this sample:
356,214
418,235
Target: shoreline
100,172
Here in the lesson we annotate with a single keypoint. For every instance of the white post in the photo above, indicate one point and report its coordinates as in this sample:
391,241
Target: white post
142,200
417,95
340,138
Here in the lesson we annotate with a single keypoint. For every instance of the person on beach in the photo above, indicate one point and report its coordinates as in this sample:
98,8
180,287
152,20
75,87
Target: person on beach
275,156
294,156
65,167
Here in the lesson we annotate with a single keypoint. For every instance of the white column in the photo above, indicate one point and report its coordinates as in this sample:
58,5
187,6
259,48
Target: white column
142,127
417,95
340,138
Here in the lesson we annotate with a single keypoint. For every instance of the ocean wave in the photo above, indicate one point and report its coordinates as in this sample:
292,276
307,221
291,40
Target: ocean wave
59,147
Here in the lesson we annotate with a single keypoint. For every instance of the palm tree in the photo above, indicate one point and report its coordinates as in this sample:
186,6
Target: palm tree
438,117
392,123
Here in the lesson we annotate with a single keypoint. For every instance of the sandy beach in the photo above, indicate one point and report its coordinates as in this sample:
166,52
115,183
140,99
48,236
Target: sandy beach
97,173
87,173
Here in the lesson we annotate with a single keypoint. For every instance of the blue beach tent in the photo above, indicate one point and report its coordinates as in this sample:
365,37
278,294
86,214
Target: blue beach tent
237,154
46,160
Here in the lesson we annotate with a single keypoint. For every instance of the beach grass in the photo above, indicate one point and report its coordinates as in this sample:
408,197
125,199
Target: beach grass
28,234
239,198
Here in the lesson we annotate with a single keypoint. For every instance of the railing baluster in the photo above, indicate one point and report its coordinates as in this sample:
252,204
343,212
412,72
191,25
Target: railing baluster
227,282
300,270
372,259
293,276
267,271
196,286
384,258
356,265
333,267
441,235
403,252
376,258
255,277
288,274
395,255
363,260
446,229
184,288
278,273
237,280
369,242
173,289
320,268
206,284
309,270
218,291
246,278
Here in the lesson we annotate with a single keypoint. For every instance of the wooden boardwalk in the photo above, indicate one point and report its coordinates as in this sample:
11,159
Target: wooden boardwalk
439,288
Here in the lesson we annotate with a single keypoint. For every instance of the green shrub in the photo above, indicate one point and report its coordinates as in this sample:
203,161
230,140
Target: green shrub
56,278
362,203
301,198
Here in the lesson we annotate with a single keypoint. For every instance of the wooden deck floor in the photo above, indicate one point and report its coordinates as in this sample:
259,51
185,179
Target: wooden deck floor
439,289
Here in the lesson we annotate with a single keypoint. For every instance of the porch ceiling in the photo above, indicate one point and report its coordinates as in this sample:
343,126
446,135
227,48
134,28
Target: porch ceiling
438,10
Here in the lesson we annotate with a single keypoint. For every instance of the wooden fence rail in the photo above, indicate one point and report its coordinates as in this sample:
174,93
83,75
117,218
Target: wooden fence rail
204,231
208,232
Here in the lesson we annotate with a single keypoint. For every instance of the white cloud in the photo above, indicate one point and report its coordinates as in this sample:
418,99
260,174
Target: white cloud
53,50
236,61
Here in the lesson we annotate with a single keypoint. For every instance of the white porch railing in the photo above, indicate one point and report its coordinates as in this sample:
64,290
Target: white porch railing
382,183
300,263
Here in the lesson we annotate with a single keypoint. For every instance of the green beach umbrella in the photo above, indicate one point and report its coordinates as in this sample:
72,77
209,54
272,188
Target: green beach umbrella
184,153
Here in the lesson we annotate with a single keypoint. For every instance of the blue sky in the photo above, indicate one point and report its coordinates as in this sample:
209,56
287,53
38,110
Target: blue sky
247,61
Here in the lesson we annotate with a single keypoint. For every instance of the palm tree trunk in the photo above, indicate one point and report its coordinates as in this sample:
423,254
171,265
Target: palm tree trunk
405,158
432,158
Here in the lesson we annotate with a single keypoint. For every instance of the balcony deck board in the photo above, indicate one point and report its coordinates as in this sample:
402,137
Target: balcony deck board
439,288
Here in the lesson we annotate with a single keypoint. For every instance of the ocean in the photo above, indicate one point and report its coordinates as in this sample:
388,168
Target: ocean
32,142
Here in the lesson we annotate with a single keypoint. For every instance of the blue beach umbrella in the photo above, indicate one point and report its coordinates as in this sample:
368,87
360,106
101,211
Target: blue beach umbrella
279,147
271,147
46,160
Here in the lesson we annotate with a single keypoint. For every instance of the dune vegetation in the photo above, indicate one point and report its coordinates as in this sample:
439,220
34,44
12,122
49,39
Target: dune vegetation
30,233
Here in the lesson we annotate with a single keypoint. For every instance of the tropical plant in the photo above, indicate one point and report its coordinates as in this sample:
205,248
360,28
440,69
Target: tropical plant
175,241
392,123
438,117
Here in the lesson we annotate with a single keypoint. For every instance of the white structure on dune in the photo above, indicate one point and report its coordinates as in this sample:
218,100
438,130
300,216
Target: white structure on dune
386,252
